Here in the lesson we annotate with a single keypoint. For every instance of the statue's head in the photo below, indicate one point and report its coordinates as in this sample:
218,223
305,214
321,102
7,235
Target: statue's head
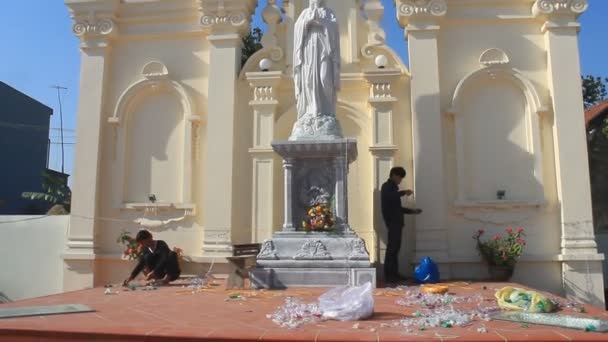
317,3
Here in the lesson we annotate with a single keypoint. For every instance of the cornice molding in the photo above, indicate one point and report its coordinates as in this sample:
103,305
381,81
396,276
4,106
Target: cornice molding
410,10
226,16
556,8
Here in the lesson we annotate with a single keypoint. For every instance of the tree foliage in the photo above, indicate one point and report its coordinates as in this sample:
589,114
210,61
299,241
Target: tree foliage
594,90
251,44
55,191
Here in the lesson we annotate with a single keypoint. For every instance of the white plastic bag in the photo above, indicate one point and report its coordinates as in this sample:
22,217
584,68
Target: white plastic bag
348,303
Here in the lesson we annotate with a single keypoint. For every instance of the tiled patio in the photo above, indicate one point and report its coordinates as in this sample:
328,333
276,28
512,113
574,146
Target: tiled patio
177,314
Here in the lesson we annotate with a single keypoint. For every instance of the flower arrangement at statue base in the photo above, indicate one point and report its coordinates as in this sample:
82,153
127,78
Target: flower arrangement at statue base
133,250
319,218
501,253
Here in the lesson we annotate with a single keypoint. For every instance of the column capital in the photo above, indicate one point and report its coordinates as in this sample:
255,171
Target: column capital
227,17
94,21
550,9
410,11
559,14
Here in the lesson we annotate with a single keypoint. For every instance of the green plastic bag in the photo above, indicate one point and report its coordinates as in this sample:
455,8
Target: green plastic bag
512,298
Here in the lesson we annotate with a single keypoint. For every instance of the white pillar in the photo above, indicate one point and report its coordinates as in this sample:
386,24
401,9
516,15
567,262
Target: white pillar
383,149
264,106
94,29
421,20
226,22
582,265
288,225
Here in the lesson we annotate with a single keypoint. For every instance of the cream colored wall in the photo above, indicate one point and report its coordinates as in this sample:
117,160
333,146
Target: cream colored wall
497,134
157,124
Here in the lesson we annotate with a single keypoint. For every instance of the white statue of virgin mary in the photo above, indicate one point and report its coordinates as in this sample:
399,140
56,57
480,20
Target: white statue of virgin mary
316,73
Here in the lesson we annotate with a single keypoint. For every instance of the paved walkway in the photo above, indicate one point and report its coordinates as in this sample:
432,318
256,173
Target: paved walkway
177,314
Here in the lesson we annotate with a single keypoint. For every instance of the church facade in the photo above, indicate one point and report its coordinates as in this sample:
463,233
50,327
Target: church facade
490,104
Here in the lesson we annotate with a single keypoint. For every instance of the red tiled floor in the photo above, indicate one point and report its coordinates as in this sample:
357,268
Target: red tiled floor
173,314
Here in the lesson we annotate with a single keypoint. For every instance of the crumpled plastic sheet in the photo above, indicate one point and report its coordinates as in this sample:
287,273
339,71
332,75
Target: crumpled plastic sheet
294,313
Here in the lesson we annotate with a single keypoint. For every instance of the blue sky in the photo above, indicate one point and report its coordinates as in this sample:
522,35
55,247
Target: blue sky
40,51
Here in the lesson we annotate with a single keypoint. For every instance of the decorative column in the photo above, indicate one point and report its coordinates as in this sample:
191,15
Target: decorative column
421,21
383,148
95,29
287,186
226,22
264,105
582,265
341,191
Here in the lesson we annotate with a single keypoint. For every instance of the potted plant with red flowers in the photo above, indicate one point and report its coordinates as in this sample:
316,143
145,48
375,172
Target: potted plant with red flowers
133,250
501,252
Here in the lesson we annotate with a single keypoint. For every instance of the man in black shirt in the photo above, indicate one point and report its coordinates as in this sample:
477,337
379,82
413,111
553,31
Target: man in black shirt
393,212
158,262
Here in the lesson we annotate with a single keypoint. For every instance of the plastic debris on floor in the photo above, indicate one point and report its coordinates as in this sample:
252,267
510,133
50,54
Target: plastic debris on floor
294,313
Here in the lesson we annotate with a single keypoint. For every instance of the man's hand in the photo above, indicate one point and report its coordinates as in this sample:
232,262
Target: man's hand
150,276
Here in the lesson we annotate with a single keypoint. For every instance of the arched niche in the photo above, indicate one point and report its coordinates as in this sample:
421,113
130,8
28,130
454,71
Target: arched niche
497,114
156,128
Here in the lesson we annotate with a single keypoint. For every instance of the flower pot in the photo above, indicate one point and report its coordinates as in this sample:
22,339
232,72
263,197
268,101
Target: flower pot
500,273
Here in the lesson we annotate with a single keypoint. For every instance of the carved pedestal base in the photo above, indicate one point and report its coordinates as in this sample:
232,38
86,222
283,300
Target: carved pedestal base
312,260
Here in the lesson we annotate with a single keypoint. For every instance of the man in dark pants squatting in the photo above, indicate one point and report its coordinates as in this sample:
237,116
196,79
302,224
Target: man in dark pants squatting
392,212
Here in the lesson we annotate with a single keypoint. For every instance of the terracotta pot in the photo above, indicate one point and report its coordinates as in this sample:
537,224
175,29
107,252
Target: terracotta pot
500,273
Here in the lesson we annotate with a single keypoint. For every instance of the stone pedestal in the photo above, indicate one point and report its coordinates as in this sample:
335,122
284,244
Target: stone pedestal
295,258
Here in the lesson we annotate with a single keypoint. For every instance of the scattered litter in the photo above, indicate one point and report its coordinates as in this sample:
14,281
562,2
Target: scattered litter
109,291
235,296
149,288
294,313
356,326
482,330
372,330
197,283
580,323
439,318
415,297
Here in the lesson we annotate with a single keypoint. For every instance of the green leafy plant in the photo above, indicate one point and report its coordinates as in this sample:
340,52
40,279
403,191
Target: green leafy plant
55,191
501,251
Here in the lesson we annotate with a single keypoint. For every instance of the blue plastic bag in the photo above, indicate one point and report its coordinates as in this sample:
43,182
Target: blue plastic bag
427,272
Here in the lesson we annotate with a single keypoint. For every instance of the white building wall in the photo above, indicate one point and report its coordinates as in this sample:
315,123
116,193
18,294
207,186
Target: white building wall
31,250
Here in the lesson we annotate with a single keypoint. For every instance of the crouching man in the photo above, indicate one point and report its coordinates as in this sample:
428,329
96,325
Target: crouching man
159,263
